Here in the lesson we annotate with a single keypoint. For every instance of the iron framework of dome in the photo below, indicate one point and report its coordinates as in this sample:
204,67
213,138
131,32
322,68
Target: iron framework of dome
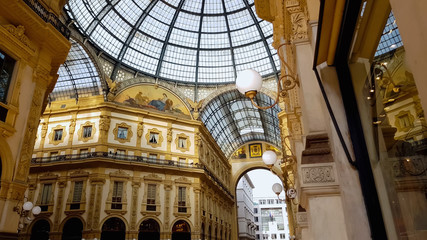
193,41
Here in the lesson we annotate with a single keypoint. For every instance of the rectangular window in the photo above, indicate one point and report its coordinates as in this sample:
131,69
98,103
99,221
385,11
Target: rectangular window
58,135
47,190
77,195
257,236
117,195
121,152
256,219
182,142
181,199
265,236
53,156
87,131
282,236
273,236
255,210
181,161
122,133
154,137
84,152
152,158
151,197
7,64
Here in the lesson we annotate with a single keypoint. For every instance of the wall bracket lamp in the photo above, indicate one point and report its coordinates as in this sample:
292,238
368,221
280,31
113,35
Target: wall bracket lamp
27,212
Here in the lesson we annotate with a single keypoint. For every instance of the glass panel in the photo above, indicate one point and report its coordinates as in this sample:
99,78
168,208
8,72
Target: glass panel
47,189
78,189
87,131
197,30
58,135
6,70
398,134
122,133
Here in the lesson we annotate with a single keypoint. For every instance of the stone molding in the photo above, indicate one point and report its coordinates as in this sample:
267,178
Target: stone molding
302,219
321,174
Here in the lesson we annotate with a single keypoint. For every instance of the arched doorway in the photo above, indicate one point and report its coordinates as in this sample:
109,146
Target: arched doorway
202,234
181,231
113,229
149,230
40,230
72,229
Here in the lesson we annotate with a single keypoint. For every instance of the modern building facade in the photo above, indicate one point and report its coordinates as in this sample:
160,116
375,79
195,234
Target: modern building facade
349,125
245,208
271,219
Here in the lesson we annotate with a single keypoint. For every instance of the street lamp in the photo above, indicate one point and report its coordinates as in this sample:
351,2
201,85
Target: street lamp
27,212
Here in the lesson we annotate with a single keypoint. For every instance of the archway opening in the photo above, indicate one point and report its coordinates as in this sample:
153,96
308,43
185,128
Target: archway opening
149,230
261,214
72,230
113,229
40,230
181,231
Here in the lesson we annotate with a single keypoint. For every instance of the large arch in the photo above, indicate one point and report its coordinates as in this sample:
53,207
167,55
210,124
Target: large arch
232,120
181,230
72,229
114,228
149,229
40,230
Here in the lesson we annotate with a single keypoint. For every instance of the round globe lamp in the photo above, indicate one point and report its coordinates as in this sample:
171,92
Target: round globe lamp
27,206
269,158
248,82
277,188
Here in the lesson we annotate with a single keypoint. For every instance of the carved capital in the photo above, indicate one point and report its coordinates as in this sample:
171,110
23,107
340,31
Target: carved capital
298,19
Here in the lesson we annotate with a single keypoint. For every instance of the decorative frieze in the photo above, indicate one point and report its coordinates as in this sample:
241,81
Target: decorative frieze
318,174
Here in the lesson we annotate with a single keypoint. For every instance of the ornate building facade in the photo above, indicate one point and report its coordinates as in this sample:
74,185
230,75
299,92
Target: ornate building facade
155,175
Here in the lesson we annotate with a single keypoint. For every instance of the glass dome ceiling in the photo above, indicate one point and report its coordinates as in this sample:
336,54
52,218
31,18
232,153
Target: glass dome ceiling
203,41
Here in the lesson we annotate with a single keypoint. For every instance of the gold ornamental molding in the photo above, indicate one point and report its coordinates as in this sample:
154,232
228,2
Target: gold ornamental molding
80,131
157,142
16,35
127,136
52,135
182,142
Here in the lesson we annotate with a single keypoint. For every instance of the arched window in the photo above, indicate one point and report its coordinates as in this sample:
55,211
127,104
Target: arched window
149,230
40,230
72,229
113,229
181,231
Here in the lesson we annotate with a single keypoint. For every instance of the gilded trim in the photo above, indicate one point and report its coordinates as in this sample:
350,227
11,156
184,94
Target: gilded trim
160,140
52,135
187,145
129,132
80,131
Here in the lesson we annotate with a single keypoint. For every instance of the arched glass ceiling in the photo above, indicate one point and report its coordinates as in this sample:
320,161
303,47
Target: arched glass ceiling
232,121
390,39
204,41
78,76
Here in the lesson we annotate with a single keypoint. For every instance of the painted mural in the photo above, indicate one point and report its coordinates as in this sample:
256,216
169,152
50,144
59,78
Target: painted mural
152,97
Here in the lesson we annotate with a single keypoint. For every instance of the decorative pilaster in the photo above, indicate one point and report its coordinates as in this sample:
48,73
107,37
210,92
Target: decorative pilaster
58,207
42,78
104,126
168,210
95,201
134,205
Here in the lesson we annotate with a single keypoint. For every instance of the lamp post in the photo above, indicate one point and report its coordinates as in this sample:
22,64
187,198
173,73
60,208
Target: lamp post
27,212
